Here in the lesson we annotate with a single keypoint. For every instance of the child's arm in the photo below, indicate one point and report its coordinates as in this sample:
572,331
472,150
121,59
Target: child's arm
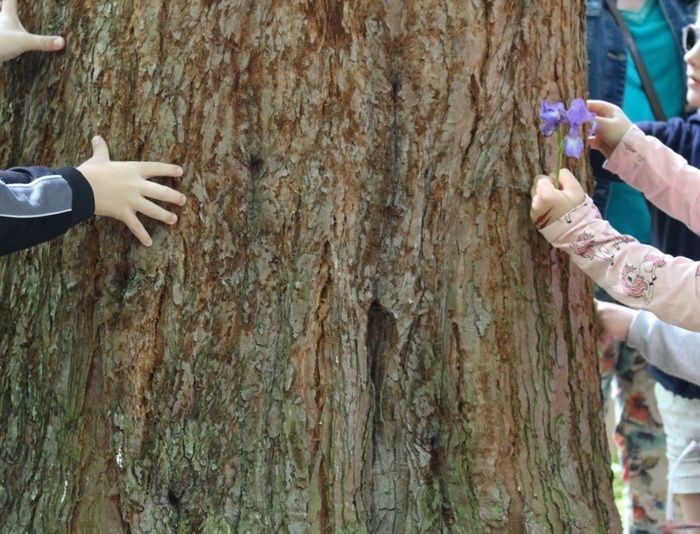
663,176
38,204
670,348
15,40
644,162
636,275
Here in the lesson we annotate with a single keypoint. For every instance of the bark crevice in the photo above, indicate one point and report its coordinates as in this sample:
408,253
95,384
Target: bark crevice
382,335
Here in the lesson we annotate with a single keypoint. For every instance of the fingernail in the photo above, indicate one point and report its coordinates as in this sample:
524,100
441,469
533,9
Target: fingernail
183,199
173,219
149,242
58,43
180,171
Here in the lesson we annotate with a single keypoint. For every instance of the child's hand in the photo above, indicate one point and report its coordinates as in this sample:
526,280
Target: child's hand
121,187
549,203
614,320
15,40
612,123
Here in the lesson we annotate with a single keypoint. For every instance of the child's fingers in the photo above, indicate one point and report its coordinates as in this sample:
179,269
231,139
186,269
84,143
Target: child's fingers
133,223
153,168
9,7
162,192
544,186
540,211
42,43
599,143
568,181
538,206
544,195
154,211
605,123
595,141
542,201
100,150
601,108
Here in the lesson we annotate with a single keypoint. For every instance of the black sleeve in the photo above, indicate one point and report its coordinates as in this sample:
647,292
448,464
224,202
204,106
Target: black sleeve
38,204
599,173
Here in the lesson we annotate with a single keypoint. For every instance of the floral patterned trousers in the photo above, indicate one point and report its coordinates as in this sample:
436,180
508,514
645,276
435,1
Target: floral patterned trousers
638,434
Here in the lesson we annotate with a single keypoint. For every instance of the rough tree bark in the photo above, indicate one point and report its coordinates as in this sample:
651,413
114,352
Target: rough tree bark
353,327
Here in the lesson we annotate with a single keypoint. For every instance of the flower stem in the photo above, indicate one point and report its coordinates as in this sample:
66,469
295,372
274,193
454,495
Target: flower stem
560,155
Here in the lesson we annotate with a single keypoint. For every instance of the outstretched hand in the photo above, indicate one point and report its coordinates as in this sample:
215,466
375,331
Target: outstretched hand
550,203
15,40
614,321
612,125
121,189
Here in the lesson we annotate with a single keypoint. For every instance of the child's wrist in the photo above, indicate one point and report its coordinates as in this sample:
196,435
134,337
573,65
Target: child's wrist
620,135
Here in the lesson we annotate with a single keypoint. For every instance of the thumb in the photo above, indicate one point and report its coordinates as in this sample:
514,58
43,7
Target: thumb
9,7
543,185
99,148
601,108
604,122
569,183
43,43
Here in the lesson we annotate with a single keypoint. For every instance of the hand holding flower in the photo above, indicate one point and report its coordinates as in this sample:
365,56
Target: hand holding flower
613,124
550,203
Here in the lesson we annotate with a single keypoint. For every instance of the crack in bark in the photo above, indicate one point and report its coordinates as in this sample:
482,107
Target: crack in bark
382,335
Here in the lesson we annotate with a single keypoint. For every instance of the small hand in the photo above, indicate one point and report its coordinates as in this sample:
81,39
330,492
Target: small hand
15,40
614,321
120,189
612,125
550,203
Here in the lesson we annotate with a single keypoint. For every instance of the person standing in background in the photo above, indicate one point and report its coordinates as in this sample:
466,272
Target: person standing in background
655,26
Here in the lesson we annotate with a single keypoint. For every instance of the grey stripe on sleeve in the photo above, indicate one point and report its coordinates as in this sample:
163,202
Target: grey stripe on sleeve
48,195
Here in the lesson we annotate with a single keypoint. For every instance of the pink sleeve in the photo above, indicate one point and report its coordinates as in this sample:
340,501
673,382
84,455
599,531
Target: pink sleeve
634,274
663,176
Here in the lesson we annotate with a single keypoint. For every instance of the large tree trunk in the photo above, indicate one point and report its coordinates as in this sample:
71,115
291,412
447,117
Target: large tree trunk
353,327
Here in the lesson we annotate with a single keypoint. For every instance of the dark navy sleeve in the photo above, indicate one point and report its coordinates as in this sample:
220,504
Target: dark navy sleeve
38,204
681,136
599,173
675,133
671,133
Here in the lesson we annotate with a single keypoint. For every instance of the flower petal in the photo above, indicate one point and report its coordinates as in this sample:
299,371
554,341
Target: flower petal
551,114
578,114
573,145
548,129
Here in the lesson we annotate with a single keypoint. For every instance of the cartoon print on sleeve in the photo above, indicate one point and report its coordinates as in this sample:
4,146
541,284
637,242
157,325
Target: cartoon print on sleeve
636,157
619,240
585,246
638,282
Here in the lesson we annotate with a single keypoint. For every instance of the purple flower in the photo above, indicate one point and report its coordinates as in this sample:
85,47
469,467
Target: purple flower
573,144
551,115
577,115
555,115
